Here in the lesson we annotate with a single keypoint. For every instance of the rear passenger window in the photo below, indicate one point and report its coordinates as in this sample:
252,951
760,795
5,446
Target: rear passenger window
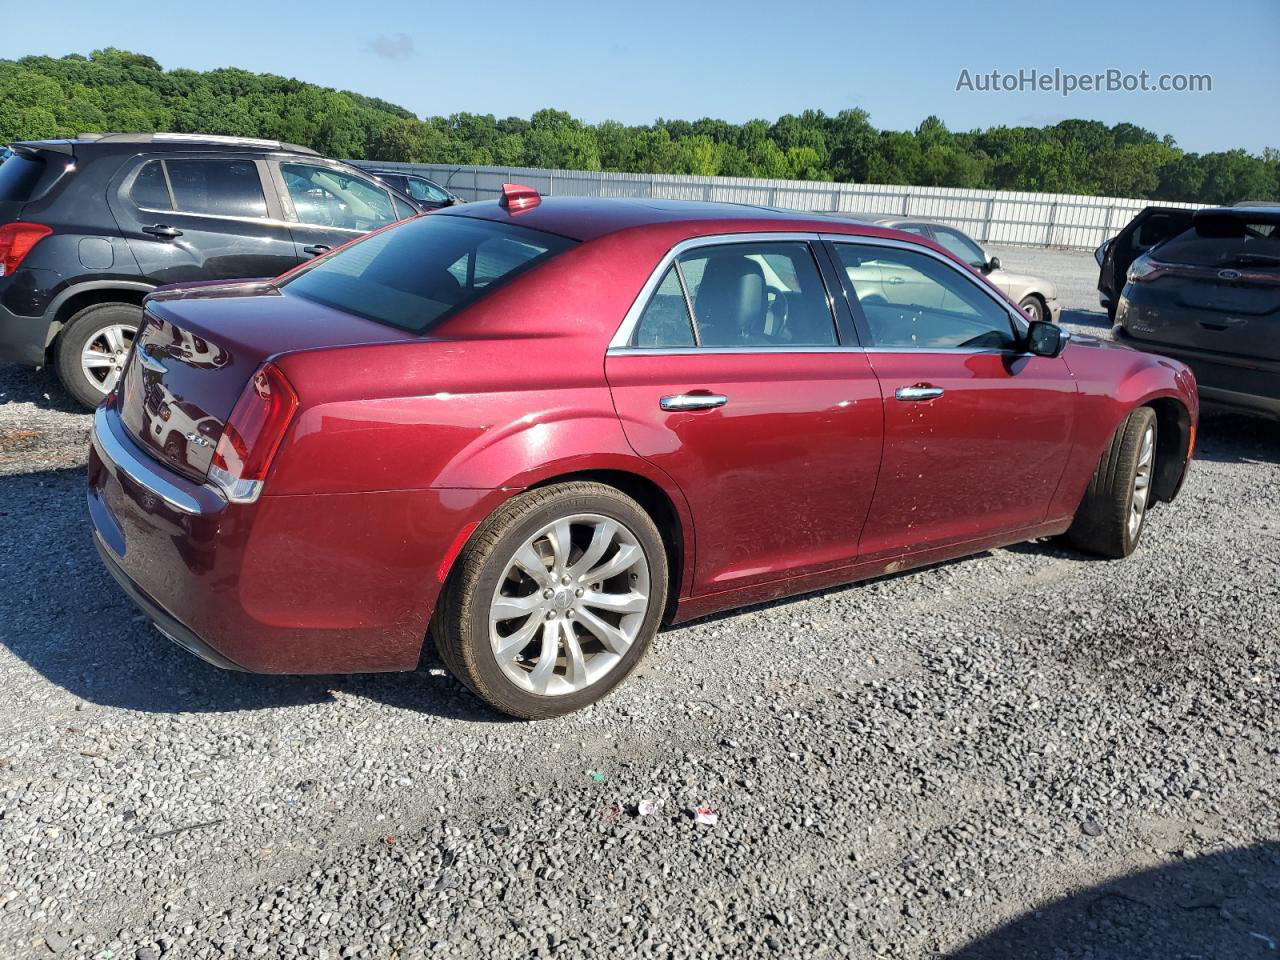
149,189
665,321
766,294
225,188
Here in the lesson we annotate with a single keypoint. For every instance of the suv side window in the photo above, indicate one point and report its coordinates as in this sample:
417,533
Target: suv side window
331,197
150,189
939,308
224,188
421,189
754,294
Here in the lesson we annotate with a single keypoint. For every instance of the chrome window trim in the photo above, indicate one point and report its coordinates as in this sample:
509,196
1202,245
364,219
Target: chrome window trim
1020,320
621,339
835,349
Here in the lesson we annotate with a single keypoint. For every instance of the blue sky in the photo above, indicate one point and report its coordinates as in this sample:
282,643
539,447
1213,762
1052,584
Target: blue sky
634,62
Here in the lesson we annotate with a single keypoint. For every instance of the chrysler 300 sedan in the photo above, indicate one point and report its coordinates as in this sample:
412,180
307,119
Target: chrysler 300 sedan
536,430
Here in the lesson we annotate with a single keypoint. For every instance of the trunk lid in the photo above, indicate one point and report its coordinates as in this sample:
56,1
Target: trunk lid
197,349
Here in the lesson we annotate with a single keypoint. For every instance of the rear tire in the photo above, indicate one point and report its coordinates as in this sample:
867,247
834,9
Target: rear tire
92,348
576,629
1033,307
1113,513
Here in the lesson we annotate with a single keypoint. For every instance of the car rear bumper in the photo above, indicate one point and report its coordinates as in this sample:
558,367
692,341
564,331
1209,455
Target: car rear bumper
22,339
1240,382
325,583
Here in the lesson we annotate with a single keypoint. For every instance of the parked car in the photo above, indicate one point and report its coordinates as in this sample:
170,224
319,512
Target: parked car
1037,297
1210,297
1152,226
540,428
425,192
88,227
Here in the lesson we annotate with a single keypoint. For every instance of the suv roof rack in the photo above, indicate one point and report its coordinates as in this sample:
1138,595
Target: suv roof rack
196,138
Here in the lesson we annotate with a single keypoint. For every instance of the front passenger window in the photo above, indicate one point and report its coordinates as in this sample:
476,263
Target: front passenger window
330,197
913,300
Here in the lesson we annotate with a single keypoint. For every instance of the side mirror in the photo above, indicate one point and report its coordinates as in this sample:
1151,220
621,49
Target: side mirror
1046,339
992,264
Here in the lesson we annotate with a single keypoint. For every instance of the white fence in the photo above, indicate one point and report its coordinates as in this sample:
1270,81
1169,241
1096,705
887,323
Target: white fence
991,216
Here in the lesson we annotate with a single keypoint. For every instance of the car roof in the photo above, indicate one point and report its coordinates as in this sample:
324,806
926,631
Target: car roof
588,218
176,141
1266,212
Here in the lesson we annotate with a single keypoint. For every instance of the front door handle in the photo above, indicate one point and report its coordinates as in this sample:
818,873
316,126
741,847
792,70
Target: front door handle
918,393
316,249
693,401
894,279
163,230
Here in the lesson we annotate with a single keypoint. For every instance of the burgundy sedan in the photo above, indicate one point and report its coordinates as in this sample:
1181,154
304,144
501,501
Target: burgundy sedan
535,430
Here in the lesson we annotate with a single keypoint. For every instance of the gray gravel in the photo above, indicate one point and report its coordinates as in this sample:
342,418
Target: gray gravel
1025,754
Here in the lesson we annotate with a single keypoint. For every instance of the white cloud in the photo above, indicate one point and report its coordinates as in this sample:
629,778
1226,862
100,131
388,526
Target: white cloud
391,46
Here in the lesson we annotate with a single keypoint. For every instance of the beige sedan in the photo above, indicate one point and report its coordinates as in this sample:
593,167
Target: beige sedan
1038,297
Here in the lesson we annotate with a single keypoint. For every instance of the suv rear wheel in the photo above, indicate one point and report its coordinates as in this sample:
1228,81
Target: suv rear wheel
554,600
93,347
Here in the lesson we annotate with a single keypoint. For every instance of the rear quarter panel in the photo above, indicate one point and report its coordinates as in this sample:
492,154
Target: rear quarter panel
506,395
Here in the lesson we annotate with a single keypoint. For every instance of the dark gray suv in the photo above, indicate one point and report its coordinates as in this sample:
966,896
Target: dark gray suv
88,227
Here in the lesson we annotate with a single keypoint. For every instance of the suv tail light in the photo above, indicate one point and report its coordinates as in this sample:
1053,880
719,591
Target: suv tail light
253,434
16,241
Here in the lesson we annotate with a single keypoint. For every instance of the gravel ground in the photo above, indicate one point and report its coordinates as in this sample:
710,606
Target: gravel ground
1027,754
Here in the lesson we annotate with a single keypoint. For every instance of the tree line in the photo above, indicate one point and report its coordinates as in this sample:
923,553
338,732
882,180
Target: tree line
46,97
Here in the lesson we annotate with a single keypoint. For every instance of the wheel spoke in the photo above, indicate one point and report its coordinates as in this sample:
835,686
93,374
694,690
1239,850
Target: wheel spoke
575,669
560,539
109,383
94,360
509,608
115,337
527,559
615,640
601,537
545,669
616,602
506,648
624,559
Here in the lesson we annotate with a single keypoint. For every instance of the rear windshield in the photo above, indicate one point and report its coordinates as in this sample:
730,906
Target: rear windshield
19,175
1224,241
413,274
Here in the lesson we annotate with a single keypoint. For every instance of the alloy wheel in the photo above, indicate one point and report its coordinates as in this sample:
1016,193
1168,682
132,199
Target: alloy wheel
1142,481
104,355
569,604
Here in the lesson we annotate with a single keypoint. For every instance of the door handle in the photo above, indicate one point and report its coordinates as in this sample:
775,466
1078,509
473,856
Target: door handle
918,393
316,249
894,279
163,230
693,401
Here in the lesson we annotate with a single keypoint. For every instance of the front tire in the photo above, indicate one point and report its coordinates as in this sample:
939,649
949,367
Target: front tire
1033,307
1113,514
93,347
554,600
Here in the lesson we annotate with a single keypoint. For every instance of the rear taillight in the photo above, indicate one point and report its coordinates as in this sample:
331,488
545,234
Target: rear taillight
253,434
16,241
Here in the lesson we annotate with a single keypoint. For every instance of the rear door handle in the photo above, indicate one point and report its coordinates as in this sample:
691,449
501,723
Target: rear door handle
894,279
316,249
163,230
918,393
693,401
